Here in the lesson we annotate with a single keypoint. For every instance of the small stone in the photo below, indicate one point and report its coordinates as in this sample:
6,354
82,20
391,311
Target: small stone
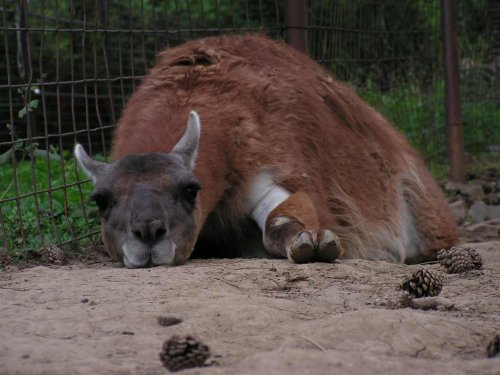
494,212
484,231
397,300
166,321
459,210
453,187
475,192
494,149
478,211
492,199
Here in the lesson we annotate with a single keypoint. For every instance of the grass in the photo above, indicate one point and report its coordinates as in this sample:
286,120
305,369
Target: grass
55,213
420,114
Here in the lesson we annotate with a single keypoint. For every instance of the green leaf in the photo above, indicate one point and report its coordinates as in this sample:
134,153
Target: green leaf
22,112
33,104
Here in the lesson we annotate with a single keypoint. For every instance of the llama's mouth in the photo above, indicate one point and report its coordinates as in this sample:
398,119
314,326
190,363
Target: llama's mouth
137,254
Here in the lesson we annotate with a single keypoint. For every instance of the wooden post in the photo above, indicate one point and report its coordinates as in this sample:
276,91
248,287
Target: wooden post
296,24
454,124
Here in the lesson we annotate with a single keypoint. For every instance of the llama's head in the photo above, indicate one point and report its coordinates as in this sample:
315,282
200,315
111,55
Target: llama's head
148,202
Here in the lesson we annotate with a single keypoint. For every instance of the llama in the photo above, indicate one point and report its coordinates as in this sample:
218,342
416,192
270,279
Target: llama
278,159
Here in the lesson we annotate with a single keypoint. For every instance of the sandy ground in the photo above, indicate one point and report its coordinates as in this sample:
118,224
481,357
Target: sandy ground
257,316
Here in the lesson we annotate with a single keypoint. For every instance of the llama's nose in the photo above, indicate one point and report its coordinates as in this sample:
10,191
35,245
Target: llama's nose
148,231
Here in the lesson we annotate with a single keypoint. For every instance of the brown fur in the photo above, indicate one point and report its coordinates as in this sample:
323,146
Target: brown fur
300,207
262,104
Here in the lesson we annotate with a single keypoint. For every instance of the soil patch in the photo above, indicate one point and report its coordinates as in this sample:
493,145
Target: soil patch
257,316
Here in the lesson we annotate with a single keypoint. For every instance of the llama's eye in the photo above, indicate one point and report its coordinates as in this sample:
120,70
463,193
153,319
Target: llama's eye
103,198
190,191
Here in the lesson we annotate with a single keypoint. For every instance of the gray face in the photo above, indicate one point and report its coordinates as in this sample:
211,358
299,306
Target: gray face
147,202
147,205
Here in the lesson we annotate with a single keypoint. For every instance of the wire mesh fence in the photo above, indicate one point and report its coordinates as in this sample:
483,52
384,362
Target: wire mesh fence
68,67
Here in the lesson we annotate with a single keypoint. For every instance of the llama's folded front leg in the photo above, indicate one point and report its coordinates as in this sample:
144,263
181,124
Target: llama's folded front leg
292,229
290,226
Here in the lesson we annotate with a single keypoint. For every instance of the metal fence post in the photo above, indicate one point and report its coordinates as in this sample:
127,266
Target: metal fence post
296,24
454,124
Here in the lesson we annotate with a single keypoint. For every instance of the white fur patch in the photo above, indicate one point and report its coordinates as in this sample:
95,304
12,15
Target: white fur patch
281,220
264,196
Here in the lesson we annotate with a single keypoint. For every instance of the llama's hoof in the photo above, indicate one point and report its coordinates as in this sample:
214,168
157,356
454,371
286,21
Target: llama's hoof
328,248
301,249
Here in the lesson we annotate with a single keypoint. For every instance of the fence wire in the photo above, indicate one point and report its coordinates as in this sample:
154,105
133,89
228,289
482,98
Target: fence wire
68,67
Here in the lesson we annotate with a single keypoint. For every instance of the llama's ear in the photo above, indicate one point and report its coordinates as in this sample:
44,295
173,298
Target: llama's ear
93,168
187,147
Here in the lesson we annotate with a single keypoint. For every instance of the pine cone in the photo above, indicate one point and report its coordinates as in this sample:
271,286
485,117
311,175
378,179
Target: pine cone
476,258
183,352
423,283
54,255
459,259
397,300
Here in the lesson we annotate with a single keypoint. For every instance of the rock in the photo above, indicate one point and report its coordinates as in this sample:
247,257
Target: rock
485,231
492,199
475,192
453,187
494,212
494,149
459,210
489,187
478,211
167,321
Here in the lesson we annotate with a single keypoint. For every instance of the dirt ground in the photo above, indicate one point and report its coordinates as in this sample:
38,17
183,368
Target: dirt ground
257,316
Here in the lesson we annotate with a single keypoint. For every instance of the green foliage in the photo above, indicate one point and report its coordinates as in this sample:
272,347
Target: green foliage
32,104
419,113
46,216
384,42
